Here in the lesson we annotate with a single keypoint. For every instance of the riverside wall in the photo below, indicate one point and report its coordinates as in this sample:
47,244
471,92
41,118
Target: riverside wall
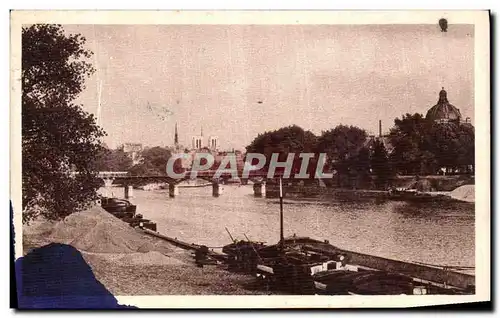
424,183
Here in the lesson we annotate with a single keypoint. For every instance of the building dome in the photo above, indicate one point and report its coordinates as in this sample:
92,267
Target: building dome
443,111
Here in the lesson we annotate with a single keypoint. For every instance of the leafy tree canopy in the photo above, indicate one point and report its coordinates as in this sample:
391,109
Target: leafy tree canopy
409,138
380,165
286,140
59,139
113,160
421,146
342,143
153,163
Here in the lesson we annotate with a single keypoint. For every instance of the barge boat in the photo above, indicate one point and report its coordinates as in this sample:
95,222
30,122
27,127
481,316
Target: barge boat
115,205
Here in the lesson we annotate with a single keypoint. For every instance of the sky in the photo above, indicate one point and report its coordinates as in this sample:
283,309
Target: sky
236,81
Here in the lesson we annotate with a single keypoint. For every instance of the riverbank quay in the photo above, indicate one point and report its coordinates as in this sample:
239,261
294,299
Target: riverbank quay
129,262
442,188
299,192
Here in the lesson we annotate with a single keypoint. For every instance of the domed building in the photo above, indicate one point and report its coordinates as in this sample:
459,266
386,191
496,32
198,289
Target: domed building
443,111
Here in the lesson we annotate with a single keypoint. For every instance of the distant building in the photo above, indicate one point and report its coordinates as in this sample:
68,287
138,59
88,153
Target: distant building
237,154
370,142
187,161
213,143
133,150
197,142
445,112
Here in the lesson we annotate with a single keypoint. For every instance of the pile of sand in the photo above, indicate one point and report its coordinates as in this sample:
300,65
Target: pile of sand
149,258
464,193
38,227
97,231
107,238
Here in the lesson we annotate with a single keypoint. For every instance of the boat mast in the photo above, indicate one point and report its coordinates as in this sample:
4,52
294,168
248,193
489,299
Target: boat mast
282,239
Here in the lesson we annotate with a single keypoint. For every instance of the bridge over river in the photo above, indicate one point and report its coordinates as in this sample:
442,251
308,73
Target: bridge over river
125,179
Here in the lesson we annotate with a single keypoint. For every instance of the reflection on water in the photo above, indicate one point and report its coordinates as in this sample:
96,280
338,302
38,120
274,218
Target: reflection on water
438,233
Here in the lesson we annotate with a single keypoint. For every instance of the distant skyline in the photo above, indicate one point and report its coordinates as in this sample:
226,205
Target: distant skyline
237,81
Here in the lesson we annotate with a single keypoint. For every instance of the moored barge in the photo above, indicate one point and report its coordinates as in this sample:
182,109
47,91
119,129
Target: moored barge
126,211
302,265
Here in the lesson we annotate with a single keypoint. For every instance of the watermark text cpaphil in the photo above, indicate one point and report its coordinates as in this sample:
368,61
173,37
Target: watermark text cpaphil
253,162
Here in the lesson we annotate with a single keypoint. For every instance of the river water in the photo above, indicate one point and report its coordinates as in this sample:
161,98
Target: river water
436,233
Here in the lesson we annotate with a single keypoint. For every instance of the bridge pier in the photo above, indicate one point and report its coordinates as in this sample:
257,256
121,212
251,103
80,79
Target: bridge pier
108,192
173,190
216,188
259,189
108,182
128,191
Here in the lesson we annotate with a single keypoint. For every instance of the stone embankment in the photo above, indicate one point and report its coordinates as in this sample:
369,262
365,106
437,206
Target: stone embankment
430,184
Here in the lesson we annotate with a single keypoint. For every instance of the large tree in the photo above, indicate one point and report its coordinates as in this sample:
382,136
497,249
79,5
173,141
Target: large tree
113,160
59,139
346,152
380,165
154,162
284,141
444,144
421,146
411,145
466,151
452,145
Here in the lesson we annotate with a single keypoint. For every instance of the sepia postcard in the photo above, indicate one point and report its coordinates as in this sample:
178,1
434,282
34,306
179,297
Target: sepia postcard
250,159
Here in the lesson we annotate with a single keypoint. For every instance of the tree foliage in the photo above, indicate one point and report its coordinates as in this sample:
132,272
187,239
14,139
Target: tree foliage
452,145
466,151
113,160
380,165
423,147
360,171
345,147
417,146
284,141
58,137
411,145
347,153
153,163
